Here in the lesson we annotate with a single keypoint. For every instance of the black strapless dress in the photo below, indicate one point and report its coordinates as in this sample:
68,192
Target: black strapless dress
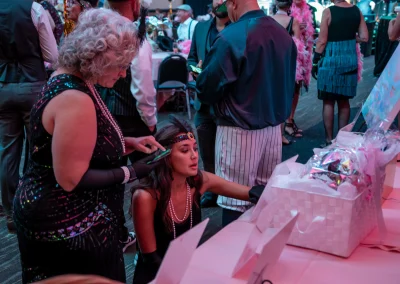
145,273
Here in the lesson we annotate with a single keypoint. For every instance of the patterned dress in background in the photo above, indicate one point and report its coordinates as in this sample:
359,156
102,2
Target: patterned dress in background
340,68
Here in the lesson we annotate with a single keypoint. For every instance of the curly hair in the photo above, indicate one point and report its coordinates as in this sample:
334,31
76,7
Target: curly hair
101,39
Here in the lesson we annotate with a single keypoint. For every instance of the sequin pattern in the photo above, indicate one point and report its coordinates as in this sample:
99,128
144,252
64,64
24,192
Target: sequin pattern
43,210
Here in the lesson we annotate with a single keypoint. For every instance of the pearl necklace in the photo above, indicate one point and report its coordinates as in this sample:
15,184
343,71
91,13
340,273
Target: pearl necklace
188,205
106,113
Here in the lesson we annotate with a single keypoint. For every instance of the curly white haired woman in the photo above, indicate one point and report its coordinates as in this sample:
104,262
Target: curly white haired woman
69,202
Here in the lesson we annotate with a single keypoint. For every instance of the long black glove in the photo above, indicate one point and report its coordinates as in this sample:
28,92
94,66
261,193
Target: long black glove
255,193
142,168
316,59
98,179
152,262
152,258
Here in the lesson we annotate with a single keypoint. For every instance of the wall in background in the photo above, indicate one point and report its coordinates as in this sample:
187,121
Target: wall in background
199,6
164,4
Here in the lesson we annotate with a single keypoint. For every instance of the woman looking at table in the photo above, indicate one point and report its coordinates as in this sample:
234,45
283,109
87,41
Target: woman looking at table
337,61
167,203
68,203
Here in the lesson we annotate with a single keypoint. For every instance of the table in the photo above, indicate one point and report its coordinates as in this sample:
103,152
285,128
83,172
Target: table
303,266
384,48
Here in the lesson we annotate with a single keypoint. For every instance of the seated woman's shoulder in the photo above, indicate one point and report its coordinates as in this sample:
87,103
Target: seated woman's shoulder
147,195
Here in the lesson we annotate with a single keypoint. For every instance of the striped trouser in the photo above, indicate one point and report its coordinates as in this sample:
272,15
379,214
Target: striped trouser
246,157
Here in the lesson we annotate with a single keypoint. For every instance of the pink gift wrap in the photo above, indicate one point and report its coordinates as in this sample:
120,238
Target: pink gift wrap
329,224
334,220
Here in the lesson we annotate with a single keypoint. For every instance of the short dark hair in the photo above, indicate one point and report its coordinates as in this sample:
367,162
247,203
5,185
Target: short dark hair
283,3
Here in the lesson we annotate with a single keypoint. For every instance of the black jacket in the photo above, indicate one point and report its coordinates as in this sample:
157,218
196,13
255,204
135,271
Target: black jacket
249,74
198,49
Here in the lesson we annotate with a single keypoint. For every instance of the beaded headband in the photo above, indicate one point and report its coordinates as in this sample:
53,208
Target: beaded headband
182,137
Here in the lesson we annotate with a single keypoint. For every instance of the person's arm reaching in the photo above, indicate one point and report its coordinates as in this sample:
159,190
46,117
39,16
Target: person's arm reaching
394,28
142,86
223,187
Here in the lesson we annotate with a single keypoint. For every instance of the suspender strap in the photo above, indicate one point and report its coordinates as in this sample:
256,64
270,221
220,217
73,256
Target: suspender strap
190,26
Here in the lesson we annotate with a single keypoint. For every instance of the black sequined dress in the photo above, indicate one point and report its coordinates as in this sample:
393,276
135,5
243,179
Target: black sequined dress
62,232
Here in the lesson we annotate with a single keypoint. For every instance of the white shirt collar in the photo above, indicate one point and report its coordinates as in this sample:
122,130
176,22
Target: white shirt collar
187,22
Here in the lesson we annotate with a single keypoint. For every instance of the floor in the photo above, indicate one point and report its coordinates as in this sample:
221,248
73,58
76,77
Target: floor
308,115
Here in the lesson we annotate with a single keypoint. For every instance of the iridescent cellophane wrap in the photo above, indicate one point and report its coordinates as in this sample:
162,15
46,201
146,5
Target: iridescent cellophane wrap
349,159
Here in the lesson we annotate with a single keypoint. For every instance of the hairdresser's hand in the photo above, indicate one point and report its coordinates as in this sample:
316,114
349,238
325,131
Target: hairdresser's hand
143,168
146,144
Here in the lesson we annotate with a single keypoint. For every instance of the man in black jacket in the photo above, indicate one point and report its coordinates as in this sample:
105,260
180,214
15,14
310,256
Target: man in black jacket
248,78
204,35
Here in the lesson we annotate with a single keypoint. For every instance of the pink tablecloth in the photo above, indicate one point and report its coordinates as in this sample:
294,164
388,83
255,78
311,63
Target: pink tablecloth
303,266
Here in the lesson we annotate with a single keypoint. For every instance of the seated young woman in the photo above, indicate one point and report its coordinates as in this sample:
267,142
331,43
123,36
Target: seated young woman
167,203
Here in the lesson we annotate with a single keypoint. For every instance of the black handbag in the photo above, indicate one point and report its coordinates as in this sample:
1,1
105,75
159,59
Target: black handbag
165,43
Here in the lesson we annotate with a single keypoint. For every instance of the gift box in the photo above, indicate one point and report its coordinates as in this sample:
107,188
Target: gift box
338,192
326,223
392,180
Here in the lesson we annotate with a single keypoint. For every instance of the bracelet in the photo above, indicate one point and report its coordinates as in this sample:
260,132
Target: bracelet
126,173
